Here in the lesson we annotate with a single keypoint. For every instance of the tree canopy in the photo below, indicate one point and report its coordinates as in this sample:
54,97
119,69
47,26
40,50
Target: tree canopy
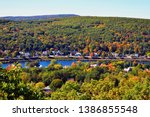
83,34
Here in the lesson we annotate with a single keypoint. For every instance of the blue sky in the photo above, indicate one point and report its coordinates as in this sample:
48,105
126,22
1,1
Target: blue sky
120,8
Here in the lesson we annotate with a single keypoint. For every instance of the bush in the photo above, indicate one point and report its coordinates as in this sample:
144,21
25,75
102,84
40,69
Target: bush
56,83
57,67
39,85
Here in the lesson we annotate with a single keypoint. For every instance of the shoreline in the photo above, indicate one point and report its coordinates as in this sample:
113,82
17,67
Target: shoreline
4,61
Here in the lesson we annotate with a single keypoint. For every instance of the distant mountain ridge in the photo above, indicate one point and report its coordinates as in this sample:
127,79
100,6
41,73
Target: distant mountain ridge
38,17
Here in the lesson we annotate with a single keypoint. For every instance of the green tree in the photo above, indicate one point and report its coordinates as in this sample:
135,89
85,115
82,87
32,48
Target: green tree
56,83
13,88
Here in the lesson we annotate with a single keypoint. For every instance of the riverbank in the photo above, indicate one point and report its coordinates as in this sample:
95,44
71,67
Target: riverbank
13,60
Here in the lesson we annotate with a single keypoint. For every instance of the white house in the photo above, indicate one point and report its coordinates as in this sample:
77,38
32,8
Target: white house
128,69
44,53
59,52
95,54
93,65
47,89
129,56
115,54
18,56
27,54
22,53
78,54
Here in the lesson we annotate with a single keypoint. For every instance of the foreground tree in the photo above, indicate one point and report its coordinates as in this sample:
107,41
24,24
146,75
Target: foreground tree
12,87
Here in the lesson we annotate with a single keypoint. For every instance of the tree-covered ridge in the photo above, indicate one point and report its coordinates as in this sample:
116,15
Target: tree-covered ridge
86,35
38,17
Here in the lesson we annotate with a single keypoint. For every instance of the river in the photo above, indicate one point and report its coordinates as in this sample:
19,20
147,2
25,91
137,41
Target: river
62,62
45,63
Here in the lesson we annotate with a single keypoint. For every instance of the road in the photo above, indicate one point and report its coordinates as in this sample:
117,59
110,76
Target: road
72,58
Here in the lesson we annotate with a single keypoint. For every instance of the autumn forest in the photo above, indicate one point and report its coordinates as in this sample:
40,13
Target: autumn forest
101,37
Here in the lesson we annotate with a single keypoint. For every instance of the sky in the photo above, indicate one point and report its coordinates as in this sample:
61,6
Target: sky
119,8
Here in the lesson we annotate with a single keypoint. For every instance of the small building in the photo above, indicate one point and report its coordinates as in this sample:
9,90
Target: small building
128,69
40,66
47,89
95,55
53,52
115,54
135,56
93,65
27,54
44,53
78,54
58,53
21,53
128,56
18,56
36,55
65,67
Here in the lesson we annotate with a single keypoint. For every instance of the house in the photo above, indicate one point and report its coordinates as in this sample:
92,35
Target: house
78,54
135,55
44,53
87,57
128,69
142,57
65,67
128,56
95,55
6,51
53,52
21,53
148,57
115,54
18,56
72,53
27,54
40,66
58,53
36,55
94,65
51,56
47,89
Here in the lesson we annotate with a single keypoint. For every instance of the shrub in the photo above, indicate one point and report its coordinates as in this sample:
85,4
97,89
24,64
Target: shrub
56,83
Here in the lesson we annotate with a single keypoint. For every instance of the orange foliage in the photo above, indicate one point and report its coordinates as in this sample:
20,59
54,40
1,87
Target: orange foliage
91,54
148,71
111,67
79,61
73,64
103,65
135,78
11,67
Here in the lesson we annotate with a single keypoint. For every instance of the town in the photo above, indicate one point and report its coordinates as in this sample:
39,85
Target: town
45,55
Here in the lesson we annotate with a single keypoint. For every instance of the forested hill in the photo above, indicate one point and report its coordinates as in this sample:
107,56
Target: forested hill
86,35
40,17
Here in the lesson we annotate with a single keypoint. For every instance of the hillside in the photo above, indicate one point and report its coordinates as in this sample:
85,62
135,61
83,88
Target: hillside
86,35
